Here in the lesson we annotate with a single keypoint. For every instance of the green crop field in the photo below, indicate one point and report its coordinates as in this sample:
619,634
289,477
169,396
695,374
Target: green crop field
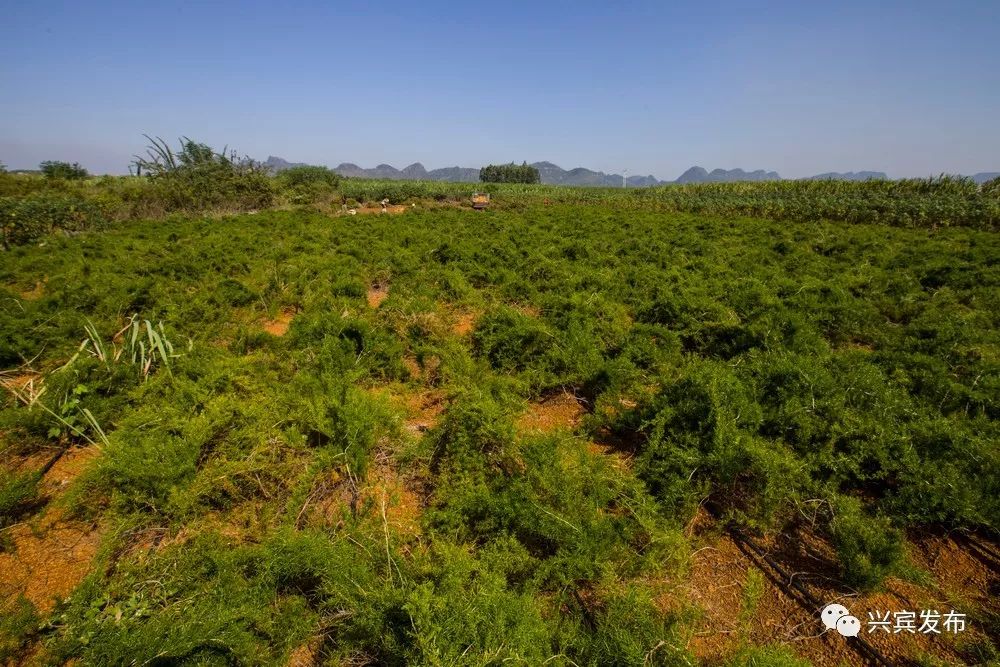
281,434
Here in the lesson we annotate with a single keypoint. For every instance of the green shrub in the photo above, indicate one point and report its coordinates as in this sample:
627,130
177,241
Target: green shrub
307,184
18,494
234,293
631,630
475,429
572,513
143,469
196,178
205,603
511,340
868,547
349,345
465,613
697,439
65,170
18,621
27,219
307,176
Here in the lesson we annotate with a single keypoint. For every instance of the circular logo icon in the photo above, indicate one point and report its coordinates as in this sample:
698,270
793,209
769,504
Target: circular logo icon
832,613
849,626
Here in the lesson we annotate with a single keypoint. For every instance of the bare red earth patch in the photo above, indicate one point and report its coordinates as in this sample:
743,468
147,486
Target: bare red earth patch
280,324
377,293
46,558
36,292
423,410
559,411
392,498
464,324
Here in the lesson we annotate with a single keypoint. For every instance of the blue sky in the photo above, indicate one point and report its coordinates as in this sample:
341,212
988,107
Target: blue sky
910,88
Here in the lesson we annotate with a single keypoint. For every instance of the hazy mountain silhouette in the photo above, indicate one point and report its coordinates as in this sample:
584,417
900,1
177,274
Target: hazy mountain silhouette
553,174
849,176
701,175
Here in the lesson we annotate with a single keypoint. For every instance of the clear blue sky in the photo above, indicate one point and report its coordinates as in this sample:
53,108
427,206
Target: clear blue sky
910,88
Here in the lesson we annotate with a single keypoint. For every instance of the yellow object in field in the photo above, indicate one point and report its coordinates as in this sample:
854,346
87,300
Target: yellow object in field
480,199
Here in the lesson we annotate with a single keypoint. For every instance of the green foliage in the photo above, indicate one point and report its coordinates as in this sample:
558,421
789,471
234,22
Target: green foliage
575,516
926,203
64,170
25,220
18,622
200,604
292,496
349,345
630,630
305,176
511,340
767,656
509,173
991,188
308,184
142,345
466,613
700,441
868,547
18,495
196,178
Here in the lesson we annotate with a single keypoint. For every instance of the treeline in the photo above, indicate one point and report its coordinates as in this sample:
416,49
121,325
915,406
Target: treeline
509,173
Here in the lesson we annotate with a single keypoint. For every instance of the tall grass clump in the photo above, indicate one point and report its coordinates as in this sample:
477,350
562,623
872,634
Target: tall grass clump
196,178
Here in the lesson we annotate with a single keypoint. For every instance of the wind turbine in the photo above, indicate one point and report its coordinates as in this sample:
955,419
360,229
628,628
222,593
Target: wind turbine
624,173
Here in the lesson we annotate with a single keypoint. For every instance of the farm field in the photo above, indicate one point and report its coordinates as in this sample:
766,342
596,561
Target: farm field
572,429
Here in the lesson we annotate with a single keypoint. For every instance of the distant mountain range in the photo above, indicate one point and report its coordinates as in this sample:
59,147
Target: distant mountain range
701,175
553,174
849,176
415,172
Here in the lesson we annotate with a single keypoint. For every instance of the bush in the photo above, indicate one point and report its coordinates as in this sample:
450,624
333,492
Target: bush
307,176
70,172
697,439
631,630
868,547
511,340
24,220
307,184
197,178
466,613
